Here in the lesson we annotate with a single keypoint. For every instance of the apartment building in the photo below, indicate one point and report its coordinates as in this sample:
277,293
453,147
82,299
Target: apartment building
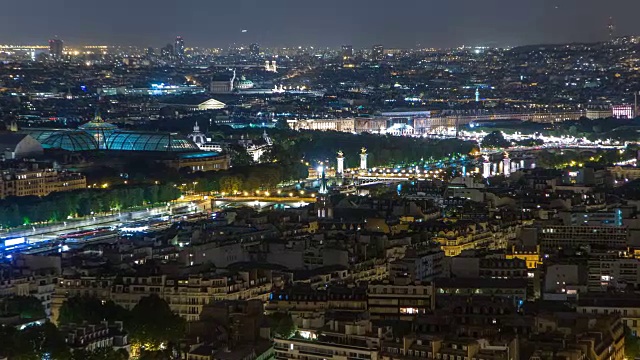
601,236
90,337
307,306
421,346
418,265
495,268
625,306
338,342
39,286
455,239
15,182
185,296
587,336
515,289
612,270
399,300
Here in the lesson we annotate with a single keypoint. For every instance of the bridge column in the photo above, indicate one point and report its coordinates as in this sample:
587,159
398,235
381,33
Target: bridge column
486,167
340,168
506,164
363,159
495,168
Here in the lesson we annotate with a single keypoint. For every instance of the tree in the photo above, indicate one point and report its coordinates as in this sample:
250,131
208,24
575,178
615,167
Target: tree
28,307
86,308
239,156
33,343
631,344
495,139
153,324
282,325
282,124
230,184
100,354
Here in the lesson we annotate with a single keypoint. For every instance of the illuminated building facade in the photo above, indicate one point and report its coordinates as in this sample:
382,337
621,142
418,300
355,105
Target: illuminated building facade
377,52
39,182
623,111
179,48
399,301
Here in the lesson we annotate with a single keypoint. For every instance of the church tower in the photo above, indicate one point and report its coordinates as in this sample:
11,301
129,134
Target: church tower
324,207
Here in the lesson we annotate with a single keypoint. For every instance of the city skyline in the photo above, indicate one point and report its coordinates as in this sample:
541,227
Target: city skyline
405,24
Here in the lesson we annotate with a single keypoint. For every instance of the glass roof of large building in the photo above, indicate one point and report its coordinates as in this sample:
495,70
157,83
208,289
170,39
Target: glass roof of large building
97,124
72,140
41,133
149,141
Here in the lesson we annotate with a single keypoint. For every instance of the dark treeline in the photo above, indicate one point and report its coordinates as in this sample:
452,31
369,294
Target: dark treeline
249,178
153,329
383,150
16,211
609,128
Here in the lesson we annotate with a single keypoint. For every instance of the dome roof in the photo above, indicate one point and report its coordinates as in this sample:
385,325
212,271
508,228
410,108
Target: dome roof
71,140
93,125
149,141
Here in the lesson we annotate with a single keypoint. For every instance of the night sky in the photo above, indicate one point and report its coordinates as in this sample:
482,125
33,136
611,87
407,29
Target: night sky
394,23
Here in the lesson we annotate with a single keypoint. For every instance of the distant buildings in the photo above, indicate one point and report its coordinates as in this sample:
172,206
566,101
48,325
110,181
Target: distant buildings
167,52
377,52
222,83
179,48
254,49
347,52
56,49
623,111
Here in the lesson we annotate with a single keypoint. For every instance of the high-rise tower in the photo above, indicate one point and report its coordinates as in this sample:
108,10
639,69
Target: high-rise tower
179,48
56,48
377,52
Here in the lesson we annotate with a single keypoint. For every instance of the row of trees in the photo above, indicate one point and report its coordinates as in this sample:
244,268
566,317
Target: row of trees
610,128
568,158
382,150
496,139
249,178
16,211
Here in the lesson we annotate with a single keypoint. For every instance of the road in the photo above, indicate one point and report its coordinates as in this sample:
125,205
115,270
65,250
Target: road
50,232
